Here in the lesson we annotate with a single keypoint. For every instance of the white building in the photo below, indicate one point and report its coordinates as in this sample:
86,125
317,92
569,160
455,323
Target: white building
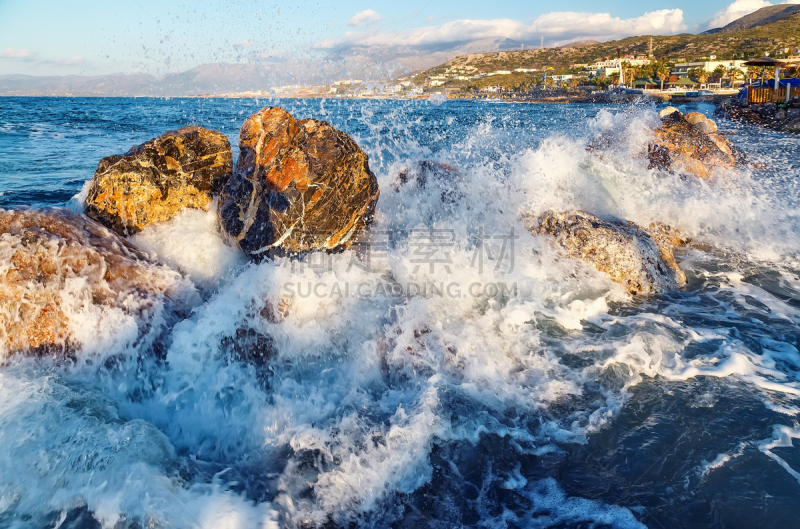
525,70
607,71
682,69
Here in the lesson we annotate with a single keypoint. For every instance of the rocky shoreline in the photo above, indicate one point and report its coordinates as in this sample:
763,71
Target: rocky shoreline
299,186
783,118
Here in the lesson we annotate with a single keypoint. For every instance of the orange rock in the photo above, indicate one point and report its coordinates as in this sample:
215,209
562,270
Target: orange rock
684,145
298,186
156,180
52,261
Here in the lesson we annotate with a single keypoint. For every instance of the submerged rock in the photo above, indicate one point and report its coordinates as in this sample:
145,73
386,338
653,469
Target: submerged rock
66,280
433,177
298,186
690,145
155,181
624,251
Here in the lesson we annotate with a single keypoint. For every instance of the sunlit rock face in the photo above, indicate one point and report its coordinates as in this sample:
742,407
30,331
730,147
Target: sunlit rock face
66,281
625,252
298,186
155,181
691,145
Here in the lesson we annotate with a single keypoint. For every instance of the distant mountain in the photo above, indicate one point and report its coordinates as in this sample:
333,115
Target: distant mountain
577,43
207,79
762,17
365,63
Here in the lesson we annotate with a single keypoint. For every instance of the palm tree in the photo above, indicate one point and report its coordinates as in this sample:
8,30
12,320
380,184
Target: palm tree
633,74
702,76
753,72
662,72
733,74
718,73
614,78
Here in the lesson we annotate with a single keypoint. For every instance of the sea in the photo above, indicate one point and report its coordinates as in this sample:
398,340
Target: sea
454,370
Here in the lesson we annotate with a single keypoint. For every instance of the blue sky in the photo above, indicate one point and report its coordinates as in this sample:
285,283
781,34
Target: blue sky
50,37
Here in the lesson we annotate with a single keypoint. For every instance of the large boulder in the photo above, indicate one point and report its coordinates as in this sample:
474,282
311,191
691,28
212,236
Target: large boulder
155,181
298,186
691,145
625,252
65,280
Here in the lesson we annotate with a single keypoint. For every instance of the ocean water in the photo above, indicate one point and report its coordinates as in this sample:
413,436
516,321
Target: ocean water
454,370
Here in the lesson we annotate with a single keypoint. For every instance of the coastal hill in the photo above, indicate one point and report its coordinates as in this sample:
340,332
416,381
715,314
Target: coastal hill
777,38
762,17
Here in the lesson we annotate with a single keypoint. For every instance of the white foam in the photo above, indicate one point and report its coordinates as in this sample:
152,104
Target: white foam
192,244
782,436
78,202
721,460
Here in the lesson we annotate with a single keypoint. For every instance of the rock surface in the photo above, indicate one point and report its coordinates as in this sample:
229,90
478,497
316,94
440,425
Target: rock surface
155,181
431,176
298,186
627,253
667,111
690,145
61,271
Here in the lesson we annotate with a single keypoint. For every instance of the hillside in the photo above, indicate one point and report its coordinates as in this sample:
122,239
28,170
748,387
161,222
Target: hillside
762,17
752,42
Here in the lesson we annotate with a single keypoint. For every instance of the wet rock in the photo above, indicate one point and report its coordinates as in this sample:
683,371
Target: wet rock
792,126
693,149
667,111
701,122
155,181
429,175
62,275
746,115
249,346
624,251
298,186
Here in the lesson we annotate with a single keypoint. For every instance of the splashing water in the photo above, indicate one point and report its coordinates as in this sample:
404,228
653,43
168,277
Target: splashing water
491,383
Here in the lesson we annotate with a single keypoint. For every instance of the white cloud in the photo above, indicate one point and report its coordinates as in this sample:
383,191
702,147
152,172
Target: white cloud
20,55
557,28
363,17
736,10
65,61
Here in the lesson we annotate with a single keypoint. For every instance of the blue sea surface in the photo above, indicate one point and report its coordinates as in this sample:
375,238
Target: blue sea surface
566,403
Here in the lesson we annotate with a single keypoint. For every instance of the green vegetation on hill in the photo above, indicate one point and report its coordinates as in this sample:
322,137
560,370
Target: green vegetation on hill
743,44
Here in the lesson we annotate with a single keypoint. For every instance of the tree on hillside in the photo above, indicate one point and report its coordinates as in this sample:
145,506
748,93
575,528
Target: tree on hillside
613,78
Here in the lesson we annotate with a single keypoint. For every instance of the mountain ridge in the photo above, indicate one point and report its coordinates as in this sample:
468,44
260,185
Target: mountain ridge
762,17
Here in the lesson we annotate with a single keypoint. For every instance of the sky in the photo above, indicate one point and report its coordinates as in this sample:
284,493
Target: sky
94,37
